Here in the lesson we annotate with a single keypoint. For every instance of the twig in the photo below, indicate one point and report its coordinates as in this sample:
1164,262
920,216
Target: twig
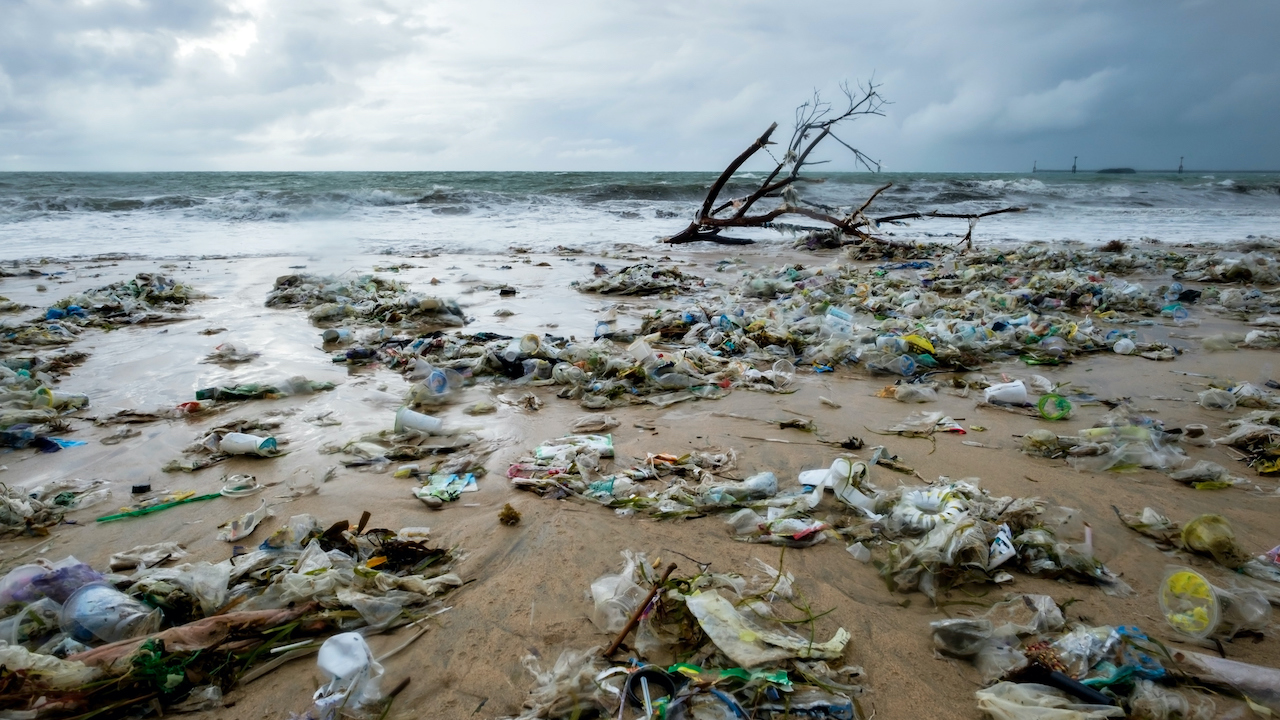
635,616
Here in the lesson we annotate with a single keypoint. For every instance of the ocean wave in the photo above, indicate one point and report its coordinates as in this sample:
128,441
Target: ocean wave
287,197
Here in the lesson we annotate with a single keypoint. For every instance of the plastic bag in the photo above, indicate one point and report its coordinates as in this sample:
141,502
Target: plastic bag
98,611
1215,399
1212,535
1260,684
914,393
355,678
616,596
1029,701
1153,702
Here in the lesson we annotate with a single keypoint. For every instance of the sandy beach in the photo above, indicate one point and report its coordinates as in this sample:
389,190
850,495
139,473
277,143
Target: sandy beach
526,586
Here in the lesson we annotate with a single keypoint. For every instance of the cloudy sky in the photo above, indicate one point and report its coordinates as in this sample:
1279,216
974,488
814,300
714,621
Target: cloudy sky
629,84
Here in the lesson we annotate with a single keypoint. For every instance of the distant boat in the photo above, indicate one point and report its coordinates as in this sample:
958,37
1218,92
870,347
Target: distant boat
1117,171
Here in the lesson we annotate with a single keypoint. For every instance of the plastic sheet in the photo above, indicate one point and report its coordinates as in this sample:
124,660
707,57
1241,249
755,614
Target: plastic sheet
1029,701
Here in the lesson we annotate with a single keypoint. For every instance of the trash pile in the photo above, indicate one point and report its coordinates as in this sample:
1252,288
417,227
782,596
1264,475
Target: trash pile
642,279
1257,435
8,306
937,537
147,299
367,299
1046,668
710,645
1123,441
22,514
81,639
951,319
30,410
598,374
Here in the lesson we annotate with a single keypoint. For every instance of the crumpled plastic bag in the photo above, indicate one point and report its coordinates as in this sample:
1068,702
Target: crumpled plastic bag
1153,702
355,678
47,670
1029,701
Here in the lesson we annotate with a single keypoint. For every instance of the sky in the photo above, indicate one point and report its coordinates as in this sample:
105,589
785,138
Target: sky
153,85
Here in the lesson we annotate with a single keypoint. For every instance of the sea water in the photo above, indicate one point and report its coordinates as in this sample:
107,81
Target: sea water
242,214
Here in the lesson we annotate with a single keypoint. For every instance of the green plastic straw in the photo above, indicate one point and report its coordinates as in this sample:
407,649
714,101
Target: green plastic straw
157,508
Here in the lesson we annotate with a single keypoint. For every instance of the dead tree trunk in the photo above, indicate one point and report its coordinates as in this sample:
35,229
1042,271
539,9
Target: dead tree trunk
814,124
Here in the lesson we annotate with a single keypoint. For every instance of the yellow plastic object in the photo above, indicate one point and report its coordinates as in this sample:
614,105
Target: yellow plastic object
919,343
1189,603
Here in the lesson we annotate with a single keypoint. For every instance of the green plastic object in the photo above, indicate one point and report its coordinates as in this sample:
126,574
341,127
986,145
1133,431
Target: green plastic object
157,508
1054,407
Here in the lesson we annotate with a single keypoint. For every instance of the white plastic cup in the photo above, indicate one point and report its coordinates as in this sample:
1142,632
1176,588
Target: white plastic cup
1012,393
407,419
1124,346
245,444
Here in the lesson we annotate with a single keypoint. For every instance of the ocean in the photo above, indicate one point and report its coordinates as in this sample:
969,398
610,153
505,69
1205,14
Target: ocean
246,214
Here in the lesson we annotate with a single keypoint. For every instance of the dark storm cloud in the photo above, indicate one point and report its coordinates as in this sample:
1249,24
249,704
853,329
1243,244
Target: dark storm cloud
483,84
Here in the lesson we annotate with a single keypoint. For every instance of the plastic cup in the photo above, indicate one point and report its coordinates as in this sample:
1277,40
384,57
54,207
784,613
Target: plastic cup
407,419
1189,603
1054,407
245,444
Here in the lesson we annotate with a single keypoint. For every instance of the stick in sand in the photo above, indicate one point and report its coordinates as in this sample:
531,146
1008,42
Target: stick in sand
635,616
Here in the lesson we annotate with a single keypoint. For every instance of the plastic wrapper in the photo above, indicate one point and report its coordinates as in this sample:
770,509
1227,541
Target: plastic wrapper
1029,701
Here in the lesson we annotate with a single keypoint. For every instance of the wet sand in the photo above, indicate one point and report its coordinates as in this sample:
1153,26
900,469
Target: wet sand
527,585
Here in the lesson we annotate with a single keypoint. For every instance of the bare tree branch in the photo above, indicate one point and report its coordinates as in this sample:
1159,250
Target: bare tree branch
814,123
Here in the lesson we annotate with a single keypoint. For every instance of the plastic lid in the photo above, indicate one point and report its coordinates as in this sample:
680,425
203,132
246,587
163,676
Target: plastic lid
1054,407
1189,603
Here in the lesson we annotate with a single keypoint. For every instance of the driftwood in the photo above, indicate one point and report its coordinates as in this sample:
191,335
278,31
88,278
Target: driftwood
815,123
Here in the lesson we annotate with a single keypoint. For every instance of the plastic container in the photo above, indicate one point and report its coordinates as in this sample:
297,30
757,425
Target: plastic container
407,419
98,611
245,444
1010,393
903,365
1124,346
336,335
1054,407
